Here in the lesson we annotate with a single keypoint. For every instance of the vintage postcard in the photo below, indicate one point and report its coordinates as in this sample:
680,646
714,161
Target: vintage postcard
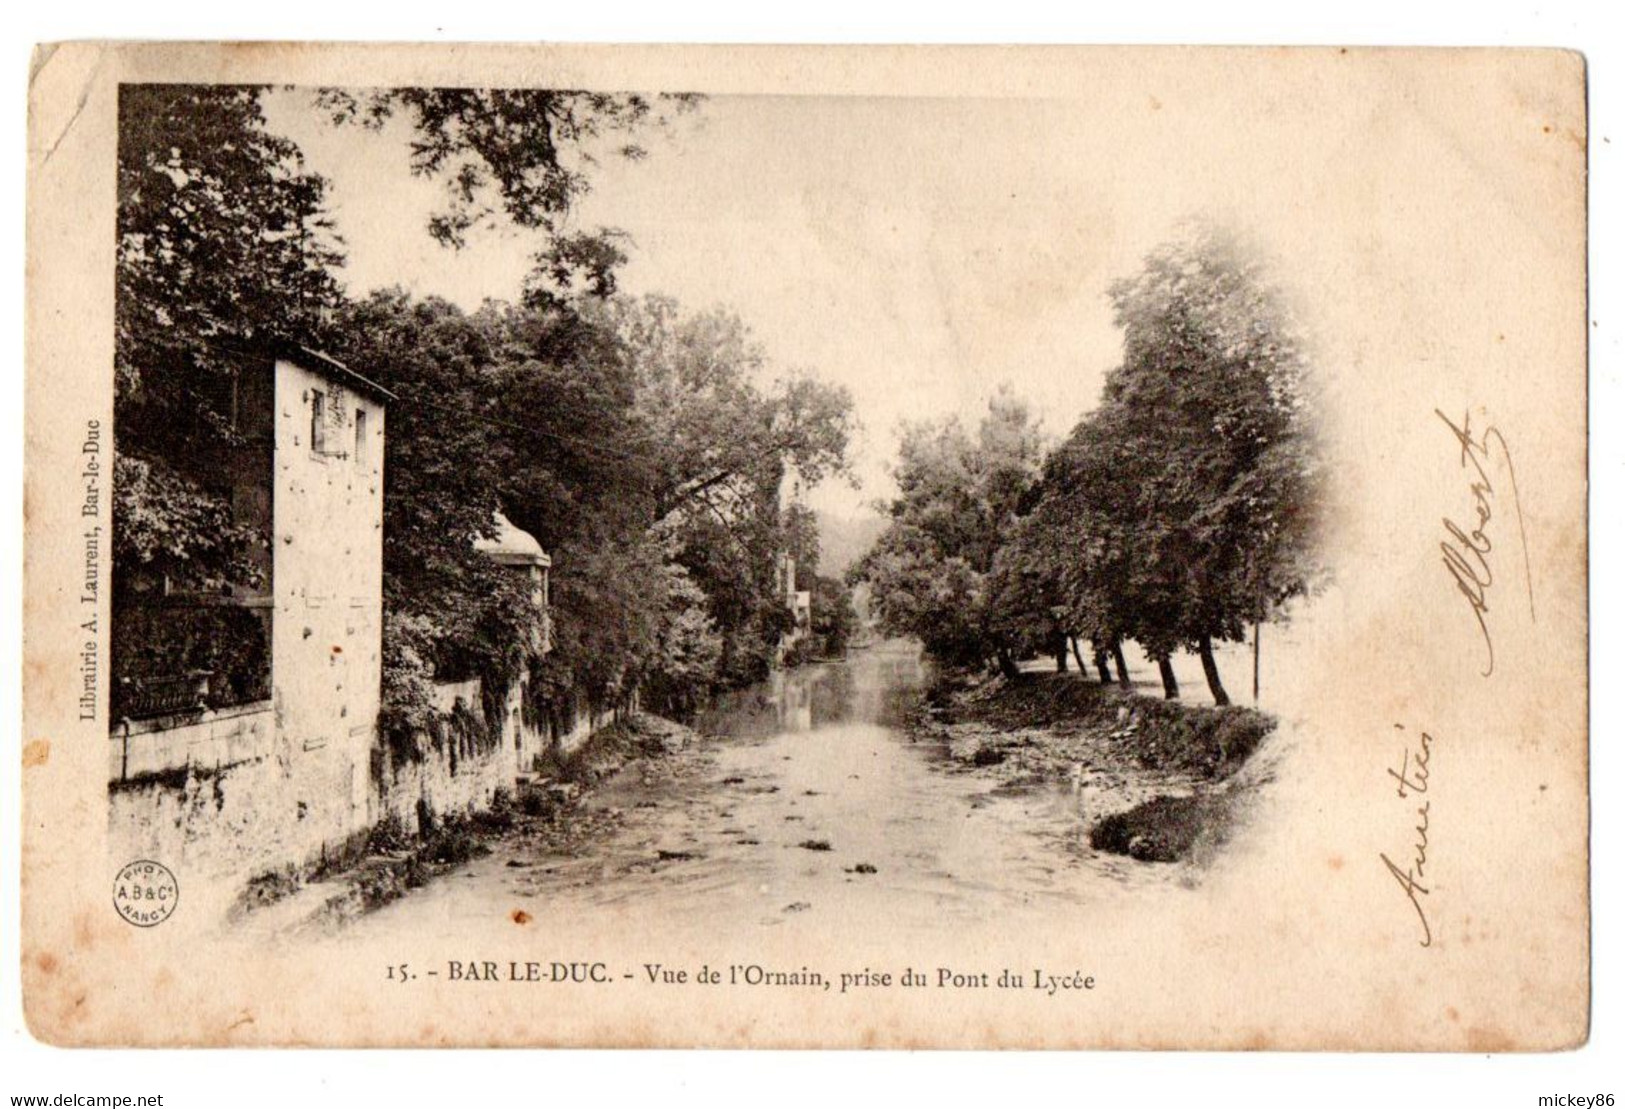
806,547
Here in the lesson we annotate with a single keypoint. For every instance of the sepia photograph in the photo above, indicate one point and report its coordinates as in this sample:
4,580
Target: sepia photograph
781,547
579,592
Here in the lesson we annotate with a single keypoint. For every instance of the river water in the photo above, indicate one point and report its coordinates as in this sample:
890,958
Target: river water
803,798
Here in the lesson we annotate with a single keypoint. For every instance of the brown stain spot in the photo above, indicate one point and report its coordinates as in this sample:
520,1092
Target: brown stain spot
519,916
1335,863
1156,105
337,650
46,962
1255,1041
1546,129
1451,1014
37,753
1489,1040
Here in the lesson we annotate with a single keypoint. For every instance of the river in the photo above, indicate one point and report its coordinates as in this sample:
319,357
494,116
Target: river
801,797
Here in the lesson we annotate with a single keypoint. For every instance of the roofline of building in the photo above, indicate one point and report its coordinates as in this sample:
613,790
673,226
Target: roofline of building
332,367
518,558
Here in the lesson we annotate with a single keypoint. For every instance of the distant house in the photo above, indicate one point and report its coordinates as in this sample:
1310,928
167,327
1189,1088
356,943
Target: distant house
798,601
242,723
519,551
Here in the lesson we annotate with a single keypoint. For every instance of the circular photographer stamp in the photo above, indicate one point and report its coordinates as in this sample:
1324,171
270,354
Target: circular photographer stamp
145,893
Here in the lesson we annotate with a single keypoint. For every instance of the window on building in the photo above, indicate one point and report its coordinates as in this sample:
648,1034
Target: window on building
318,421
360,437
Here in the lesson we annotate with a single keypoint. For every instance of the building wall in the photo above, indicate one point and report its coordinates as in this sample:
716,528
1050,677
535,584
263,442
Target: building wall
327,539
282,783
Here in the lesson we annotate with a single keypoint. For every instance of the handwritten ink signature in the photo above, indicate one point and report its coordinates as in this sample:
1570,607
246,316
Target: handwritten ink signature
1412,776
1466,553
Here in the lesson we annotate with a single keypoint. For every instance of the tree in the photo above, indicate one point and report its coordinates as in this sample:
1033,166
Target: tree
223,243
959,497
1088,530
441,473
524,156
1025,595
523,153
722,429
688,649
1212,401
575,459
449,612
643,446
719,435
834,617
540,392
576,473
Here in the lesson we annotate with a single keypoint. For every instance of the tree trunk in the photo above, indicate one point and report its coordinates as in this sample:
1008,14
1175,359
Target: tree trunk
1060,653
1211,668
1101,666
1077,654
1255,661
1007,665
1170,684
1122,666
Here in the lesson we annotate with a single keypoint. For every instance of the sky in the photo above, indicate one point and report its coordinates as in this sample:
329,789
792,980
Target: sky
920,252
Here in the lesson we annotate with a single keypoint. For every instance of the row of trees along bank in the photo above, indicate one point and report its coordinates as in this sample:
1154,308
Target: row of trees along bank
641,444
1178,513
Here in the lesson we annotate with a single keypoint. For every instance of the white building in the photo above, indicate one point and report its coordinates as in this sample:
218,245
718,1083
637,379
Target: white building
230,773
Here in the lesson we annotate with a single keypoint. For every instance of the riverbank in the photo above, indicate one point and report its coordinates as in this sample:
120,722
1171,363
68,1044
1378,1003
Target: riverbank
1158,781
811,802
547,813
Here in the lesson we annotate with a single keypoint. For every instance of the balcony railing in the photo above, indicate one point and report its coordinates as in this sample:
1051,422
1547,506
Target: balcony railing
173,695
177,659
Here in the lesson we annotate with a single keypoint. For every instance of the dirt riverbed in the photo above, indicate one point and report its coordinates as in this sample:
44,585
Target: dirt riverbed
837,792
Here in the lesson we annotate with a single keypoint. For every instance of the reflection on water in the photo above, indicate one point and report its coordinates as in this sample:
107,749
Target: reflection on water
822,694
805,800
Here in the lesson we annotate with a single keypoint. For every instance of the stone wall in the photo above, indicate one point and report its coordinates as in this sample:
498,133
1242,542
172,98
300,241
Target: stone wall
211,740
580,724
231,795
224,799
456,773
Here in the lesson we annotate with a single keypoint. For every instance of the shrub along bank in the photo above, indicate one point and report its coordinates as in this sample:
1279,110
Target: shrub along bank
1154,777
